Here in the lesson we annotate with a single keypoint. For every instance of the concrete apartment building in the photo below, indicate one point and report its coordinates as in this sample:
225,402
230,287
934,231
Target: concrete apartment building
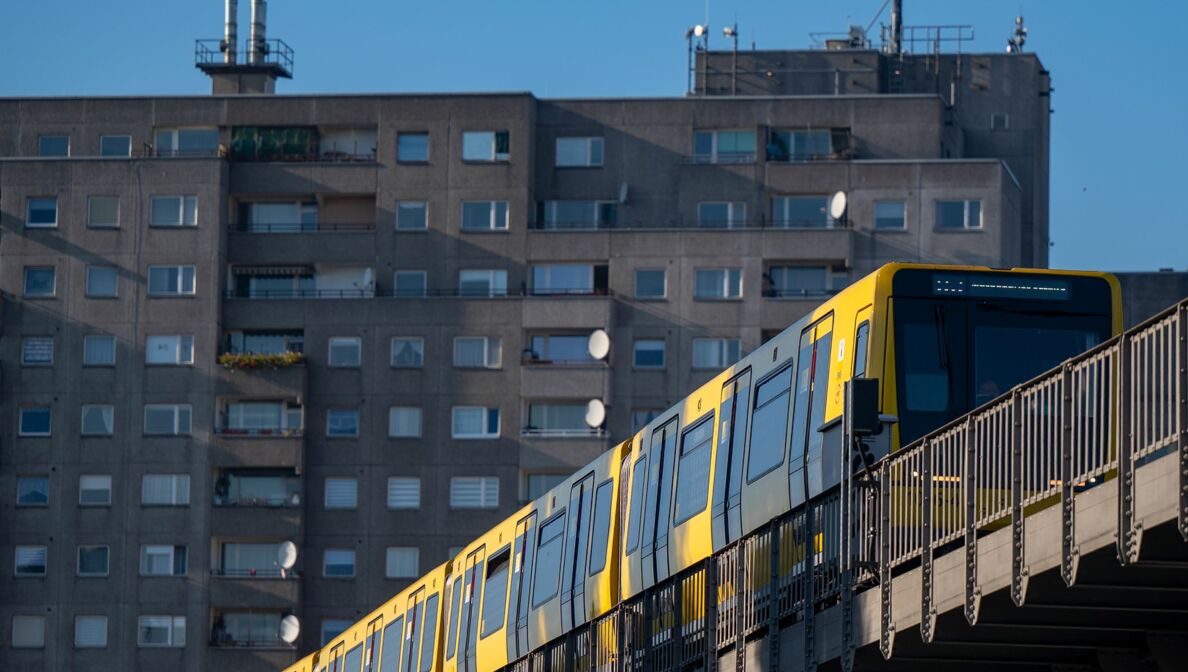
439,262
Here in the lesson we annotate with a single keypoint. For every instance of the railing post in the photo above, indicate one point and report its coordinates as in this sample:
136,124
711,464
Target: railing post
845,526
808,576
676,641
927,610
740,593
886,624
973,592
773,601
1069,553
711,614
1018,552
1127,532
1182,415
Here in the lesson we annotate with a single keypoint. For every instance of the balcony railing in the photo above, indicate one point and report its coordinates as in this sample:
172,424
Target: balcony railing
574,433
226,641
289,500
212,53
721,159
360,293
260,432
772,293
255,573
302,227
693,224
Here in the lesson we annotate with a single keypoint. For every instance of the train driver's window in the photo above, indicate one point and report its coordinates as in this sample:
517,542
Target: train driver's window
692,487
494,602
638,476
429,633
600,532
390,654
548,561
769,424
455,608
860,338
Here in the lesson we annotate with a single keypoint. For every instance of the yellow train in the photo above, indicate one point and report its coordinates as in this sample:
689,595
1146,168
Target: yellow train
755,442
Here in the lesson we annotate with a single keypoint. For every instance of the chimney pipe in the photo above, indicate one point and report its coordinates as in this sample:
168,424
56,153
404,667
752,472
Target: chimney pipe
257,49
231,32
897,27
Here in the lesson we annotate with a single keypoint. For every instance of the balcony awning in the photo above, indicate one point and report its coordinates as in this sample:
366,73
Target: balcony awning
272,270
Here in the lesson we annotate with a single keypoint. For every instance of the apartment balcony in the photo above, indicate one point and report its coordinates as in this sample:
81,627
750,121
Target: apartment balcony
260,376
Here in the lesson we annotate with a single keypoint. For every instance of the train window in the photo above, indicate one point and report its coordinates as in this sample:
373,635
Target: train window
414,616
815,439
371,644
692,487
495,598
769,424
636,513
860,339
548,560
600,532
429,633
664,443
471,617
390,654
455,606
354,659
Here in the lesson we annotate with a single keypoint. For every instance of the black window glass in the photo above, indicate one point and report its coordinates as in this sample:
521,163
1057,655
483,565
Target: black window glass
600,532
429,633
455,608
769,424
548,561
820,393
860,340
354,659
692,487
495,597
390,654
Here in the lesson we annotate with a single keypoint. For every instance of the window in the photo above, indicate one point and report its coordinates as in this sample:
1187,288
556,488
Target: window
90,632
171,280
576,214
715,353
103,212
53,145
412,215
165,490
33,490
800,144
640,417
495,593
539,484
278,216
28,632
342,493
160,560
93,560
37,351
569,279
547,575
801,212
35,421
958,214
600,532
484,215
724,146
94,490
408,353
338,563
769,424
482,283
42,213
475,422
557,419
409,284
99,350
102,281
40,281
115,145
345,351
98,420
486,146
260,418
175,350
187,141
722,215
799,281
860,340
167,419
474,492
717,283
650,283
649,354
174,211
890,215
402,562
999,121
579,152
478,352
332,628
342,422
165,631
404,493
560,349
266,342
30,560
692,486
412,147
404,422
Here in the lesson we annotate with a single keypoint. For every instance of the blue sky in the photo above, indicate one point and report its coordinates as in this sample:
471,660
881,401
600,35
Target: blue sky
1119,133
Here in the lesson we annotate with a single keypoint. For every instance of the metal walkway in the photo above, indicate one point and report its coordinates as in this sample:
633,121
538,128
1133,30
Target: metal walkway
1044,531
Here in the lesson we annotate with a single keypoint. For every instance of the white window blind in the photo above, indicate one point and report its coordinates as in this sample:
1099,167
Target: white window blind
480,352
404,492
169,350
474,492
165,489
30,560
94,490
90,632
402,562
28,632
342,493
404,422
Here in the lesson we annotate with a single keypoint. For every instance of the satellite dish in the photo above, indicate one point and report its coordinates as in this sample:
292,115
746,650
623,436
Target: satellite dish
623,194
837,205
595,413
286,555
599,344
289,629
699,30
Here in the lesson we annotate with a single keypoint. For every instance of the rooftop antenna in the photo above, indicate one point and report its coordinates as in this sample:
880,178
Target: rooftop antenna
1016,41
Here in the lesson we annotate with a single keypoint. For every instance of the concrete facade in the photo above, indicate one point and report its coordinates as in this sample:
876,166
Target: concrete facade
287,423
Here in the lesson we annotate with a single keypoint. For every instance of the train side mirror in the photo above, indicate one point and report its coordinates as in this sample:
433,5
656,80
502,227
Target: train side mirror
862,406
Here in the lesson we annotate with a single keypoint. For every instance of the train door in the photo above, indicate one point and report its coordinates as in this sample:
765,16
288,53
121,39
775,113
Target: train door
732,440
428,639
658,502
765,491
573,585
389,657
472,592
634,478
598,597
523,551
336,658
371,643
810,463
413,618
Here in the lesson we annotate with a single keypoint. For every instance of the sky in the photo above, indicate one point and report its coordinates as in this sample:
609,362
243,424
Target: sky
1119,131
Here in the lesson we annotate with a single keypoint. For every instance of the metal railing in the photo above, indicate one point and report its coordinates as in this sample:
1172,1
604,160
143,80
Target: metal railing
693,223
259,432
253,573
302,227
213,53
580,432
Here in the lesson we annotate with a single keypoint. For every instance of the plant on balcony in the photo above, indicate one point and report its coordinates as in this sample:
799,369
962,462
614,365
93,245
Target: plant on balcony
253,360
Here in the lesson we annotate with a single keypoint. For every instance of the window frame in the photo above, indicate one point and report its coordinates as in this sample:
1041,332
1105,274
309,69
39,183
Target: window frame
27,618
326,563
484,481
967,206
649,367
343,410
148,550
732,221
496,156
96,618
186,203
404,294
409,205
33,505
420,416
43,137
340,341
723,346
107,503
176,343
90,292
716,156
107,136
175,481
95,198
408,480
494,289
494,224
420,352
22,432
486,434
16,566
651,297
889,201
727,276
411,134
172,640
179,287
491,344
589,141
78,570
109,417
30,200
28,340
783,220
414,552
94,338
53,291
177,415
681,454
326,493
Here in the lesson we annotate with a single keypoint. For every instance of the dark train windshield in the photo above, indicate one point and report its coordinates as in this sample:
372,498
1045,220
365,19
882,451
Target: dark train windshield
963,339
